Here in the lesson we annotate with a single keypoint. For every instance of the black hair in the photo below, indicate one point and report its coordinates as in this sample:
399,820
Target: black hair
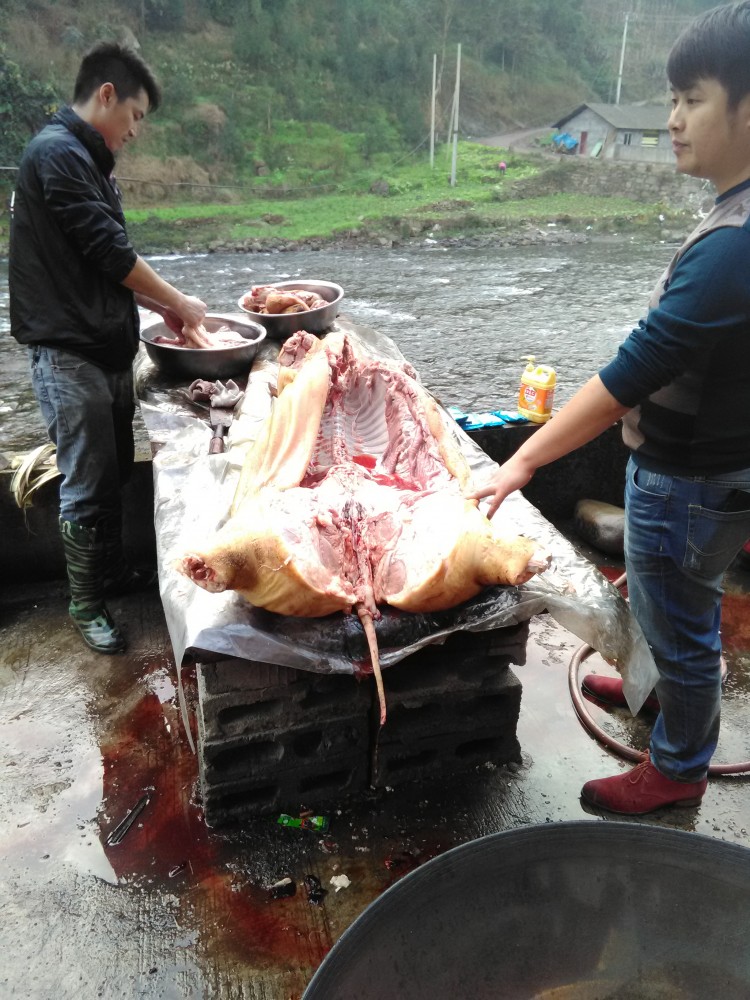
715,46
108,62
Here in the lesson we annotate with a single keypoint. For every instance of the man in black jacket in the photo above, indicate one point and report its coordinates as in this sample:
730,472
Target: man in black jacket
75,283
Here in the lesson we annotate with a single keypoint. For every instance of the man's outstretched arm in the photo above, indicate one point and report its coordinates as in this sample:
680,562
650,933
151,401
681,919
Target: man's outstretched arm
587,415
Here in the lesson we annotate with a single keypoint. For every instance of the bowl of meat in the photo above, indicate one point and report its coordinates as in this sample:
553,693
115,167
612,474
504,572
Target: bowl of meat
288,306
219,347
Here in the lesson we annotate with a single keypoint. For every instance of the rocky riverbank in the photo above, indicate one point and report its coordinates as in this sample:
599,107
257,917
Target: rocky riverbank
562,202
524,234
559,232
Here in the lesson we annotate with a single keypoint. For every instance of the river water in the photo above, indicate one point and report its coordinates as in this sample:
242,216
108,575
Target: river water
465,317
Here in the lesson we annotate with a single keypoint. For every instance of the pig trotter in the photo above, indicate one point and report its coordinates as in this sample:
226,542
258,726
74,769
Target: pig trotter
201,573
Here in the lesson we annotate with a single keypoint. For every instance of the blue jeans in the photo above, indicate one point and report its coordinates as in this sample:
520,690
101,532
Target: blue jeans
89,417
681,534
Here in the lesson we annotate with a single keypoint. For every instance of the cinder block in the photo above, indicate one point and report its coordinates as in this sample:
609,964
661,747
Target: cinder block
321,786
412,720
299,749
466,662
239,697
458,731
509,642
311,765
429,759
274,738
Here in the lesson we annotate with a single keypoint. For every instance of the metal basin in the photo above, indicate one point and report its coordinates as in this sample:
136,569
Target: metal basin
318,320
191,363
564,911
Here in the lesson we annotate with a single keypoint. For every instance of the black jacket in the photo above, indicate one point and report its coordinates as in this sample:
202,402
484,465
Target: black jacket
69,250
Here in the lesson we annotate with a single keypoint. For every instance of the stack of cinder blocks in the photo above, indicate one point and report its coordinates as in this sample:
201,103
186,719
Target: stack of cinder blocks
272,738
452,707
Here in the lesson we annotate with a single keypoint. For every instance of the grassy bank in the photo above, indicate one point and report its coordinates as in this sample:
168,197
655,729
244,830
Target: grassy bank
407,200
254,224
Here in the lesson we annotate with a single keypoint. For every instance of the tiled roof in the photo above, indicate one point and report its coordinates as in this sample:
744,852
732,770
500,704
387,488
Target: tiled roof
624,116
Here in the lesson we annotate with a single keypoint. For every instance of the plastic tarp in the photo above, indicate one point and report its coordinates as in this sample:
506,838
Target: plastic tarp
193,493
564,141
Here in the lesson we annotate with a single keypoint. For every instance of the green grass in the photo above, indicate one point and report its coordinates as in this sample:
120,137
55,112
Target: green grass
413,198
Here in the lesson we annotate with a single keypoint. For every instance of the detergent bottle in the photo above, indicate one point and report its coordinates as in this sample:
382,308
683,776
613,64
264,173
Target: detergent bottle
536,392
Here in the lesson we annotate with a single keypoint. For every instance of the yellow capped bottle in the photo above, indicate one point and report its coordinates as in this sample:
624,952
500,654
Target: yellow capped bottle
537,392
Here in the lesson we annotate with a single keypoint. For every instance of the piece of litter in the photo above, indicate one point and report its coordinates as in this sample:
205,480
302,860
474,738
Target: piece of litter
319,824
122,828
340,882
283,888
315,891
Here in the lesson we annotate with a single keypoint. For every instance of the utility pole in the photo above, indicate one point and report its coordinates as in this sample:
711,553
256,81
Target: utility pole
432,118
622,59
455,116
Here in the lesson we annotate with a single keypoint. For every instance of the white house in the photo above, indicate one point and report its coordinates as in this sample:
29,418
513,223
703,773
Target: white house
620,131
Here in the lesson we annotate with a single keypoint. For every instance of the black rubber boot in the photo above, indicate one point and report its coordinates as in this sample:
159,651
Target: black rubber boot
119,576
84,558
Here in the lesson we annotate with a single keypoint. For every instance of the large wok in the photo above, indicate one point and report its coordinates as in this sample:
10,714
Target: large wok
565,911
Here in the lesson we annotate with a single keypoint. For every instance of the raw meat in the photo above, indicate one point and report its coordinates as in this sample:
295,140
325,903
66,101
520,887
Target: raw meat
269,299
352,496
198,337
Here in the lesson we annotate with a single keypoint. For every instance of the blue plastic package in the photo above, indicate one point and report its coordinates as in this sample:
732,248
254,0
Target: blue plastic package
458,415
475,421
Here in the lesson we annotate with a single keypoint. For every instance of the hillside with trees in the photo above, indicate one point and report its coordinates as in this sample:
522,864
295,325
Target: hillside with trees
290,93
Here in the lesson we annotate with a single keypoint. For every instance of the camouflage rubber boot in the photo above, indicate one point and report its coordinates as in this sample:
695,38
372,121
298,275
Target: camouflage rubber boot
84,558
119,576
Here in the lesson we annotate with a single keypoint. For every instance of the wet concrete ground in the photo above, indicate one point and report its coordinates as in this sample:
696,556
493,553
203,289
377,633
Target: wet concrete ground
178,910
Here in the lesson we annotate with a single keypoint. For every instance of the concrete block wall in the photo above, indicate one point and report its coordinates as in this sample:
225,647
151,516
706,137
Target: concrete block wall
276,739
269,736
451,707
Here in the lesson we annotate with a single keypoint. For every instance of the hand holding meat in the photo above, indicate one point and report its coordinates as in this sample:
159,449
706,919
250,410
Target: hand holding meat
189,317
172,321
199,338
192,310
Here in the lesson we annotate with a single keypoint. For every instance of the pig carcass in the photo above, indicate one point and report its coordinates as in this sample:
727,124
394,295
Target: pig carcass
352,497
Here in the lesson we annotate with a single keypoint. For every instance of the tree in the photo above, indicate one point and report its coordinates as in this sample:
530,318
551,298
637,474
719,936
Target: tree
25,104
252,41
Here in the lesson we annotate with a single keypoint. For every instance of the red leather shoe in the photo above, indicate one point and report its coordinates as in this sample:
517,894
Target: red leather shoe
641,791
608,691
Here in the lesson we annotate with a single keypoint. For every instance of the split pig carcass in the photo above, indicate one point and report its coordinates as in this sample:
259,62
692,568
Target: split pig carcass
352,496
